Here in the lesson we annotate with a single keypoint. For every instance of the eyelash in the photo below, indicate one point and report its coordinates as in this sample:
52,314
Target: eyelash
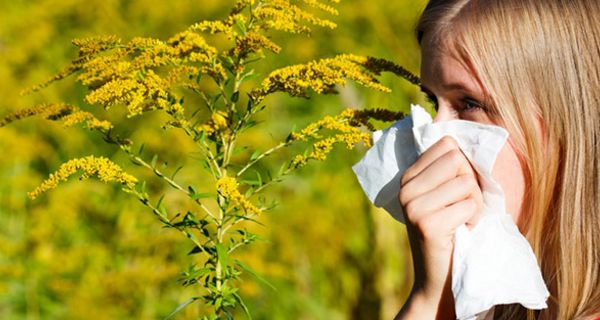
469,104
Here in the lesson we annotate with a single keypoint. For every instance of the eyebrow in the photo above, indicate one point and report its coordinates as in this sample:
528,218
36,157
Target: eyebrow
452,86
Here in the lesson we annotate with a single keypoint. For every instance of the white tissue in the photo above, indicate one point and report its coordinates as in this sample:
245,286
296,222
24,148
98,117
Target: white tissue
492,263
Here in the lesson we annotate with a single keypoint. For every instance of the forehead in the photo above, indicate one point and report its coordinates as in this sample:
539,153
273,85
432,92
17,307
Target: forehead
441,69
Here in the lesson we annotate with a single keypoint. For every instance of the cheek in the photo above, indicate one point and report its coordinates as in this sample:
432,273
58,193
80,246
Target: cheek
508,172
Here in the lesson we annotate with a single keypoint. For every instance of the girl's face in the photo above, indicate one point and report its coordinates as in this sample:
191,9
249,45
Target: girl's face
457,94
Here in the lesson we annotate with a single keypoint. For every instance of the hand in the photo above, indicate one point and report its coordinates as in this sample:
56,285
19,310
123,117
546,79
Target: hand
439,192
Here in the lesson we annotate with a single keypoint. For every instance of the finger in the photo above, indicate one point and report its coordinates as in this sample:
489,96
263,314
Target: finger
443,223
448,193
450,165
438,149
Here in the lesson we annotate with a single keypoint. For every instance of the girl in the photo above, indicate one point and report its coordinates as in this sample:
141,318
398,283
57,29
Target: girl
532,67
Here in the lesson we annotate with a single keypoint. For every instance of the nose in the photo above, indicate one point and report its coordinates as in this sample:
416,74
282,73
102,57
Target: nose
443,113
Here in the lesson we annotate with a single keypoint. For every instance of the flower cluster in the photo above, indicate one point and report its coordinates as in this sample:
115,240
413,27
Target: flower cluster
217,122
94,45
70,115
320,76
106,170
342,123
284,16
91,122
362,117
253,42
228,188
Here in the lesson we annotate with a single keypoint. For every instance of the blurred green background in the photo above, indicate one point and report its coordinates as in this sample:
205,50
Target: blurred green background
88,251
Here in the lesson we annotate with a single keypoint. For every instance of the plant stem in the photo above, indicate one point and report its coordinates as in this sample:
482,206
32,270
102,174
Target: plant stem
167,179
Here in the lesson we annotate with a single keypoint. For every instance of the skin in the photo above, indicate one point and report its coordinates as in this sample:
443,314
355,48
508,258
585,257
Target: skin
440,191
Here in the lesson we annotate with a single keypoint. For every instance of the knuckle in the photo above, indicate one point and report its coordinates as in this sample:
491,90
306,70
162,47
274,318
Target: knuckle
410,208
403,197
449,142
455,157
406,176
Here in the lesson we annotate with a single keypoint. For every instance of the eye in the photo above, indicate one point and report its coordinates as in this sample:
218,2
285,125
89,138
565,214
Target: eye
470,105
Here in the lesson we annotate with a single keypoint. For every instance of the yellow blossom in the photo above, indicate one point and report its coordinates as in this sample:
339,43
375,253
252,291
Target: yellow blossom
228,188
106,170
126,91
346,133
362,117
45,110
104,68
211,26
217,122
253,42
320,76
90,120
192,47
70,115
284,16
150,53
94,45
324,7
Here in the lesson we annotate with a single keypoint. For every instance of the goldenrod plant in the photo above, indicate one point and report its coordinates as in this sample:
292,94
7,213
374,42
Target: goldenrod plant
202,79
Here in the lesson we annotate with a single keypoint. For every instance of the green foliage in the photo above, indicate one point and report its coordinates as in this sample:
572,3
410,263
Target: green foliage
203,83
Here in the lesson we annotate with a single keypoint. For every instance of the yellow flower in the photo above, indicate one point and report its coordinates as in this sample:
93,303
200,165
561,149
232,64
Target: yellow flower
106,170
284,16
320,76
94,45
70,115
211,26
91,122
104,68
346,133
218,122
227,187
253,42
191,47
45,110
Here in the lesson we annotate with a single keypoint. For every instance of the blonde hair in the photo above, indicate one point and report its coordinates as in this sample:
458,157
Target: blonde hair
540,60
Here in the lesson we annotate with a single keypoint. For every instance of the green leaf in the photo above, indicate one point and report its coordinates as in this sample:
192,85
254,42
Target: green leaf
255,274
248,76
200,137
259,178
163,211
222,255
136,162
141,150
255,155
250,182
240,24
175,172
202,195
241,302
143,187
153,162
282,169
181,306
235,96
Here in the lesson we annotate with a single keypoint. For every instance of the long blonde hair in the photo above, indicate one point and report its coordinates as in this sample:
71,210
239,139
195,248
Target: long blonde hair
540,60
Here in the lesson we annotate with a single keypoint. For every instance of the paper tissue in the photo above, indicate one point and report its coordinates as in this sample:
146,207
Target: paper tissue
492,263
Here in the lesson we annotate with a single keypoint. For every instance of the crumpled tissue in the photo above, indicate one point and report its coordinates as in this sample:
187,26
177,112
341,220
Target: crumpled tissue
492,263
